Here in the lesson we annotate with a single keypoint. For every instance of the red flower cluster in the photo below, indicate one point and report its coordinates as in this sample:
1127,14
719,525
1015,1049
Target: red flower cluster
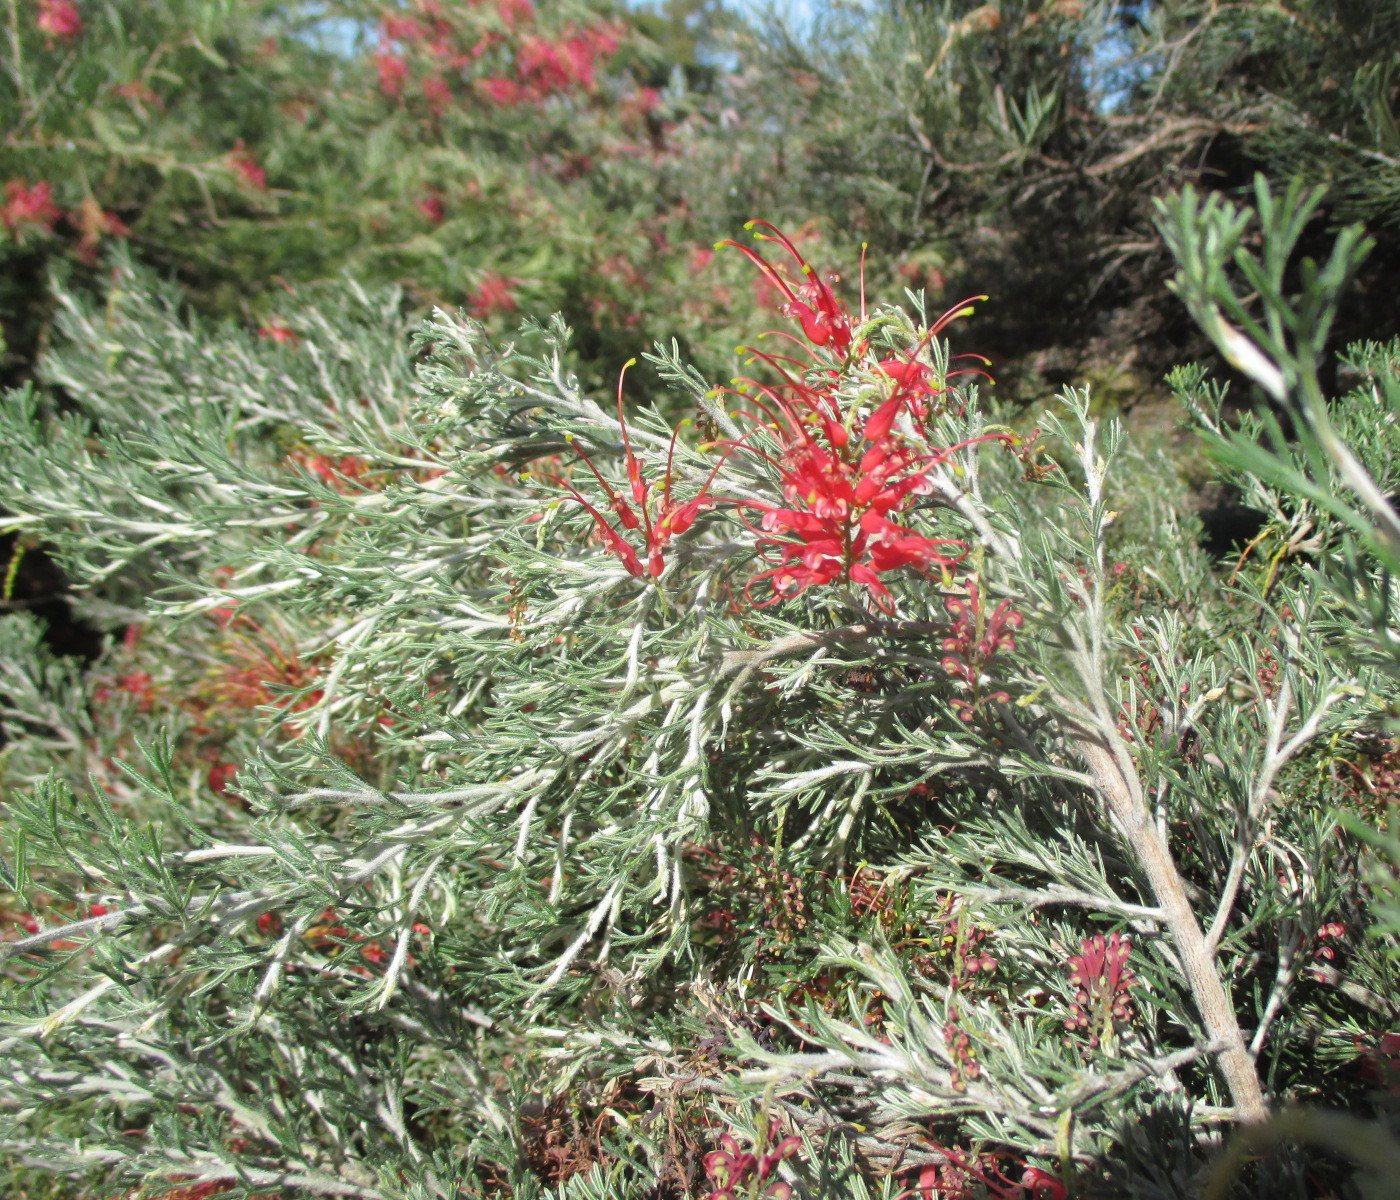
539,67
1103,984
847,436
659,519
734,1171
972,643
546,67
27,205
1323,952
345,474
964,1176
59,20
843,475
32,207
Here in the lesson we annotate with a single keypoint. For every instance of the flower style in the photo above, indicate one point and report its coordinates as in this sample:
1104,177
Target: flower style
1103,984
659,522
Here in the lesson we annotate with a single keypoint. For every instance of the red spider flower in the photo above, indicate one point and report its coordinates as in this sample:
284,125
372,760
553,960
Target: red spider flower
59,20
842,488
1103,984
846,471
735,1172
660,520
810,300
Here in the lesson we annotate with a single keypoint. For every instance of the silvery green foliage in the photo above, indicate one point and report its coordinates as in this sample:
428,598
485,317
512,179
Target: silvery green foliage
465,873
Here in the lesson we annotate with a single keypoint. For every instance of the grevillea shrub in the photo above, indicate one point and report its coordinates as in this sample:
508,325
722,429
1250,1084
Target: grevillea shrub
493,788
451,148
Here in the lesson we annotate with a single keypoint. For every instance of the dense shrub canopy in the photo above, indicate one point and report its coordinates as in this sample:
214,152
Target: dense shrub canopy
530,748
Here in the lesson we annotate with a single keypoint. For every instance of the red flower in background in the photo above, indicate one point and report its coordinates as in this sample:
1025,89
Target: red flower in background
431,207
219,776
515,12
494,294
241,160
275,331
437,93
29,205
59,20
393,70
506,93
94,224
401,29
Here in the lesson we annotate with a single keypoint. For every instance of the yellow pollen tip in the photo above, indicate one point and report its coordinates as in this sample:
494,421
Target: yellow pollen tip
631,362
720,245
